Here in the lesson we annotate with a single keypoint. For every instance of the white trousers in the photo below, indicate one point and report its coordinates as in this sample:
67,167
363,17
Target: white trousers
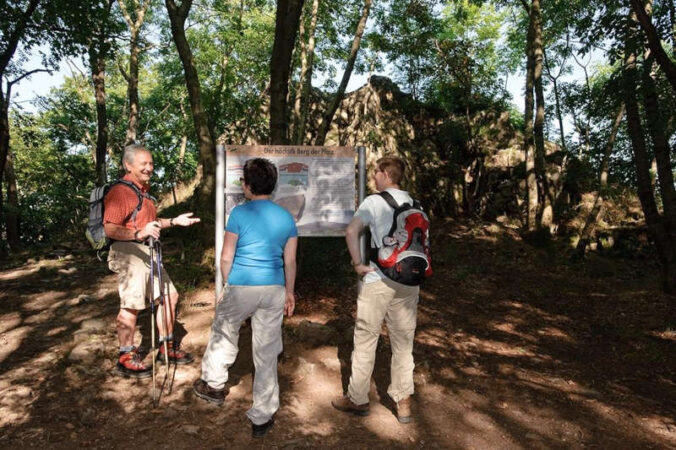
265,306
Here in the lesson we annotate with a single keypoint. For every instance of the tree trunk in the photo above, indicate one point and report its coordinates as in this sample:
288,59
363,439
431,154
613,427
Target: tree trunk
327,118
286,29
663,243
10,45
132,91
545,197
654,41
658,134
4,147
97,61
529,144
302,103
12,212
595,212
132,77
672,20
205,142
4,129
661,149
302,48
557,99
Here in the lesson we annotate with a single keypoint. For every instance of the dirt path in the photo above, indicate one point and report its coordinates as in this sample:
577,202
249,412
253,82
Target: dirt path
514,349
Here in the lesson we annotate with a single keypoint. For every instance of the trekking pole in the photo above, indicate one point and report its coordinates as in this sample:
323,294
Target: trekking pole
166,308
163,305
152,318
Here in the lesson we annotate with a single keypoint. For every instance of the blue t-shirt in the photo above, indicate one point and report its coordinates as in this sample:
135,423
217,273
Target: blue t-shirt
263,228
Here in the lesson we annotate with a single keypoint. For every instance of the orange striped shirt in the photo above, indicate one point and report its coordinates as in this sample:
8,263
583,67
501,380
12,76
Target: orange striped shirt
121,201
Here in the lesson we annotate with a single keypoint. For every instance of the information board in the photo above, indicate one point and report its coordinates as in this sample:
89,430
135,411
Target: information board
315,184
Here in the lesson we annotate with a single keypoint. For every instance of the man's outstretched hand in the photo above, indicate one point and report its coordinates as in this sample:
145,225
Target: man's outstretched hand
185,220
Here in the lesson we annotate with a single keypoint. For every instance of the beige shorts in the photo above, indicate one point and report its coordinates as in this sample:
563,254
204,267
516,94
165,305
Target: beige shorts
131,262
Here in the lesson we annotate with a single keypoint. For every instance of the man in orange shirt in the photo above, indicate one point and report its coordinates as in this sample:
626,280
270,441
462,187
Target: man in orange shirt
129,257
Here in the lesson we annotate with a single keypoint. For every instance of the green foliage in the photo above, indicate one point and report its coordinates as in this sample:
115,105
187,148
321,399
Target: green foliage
452,56
406,32
54,191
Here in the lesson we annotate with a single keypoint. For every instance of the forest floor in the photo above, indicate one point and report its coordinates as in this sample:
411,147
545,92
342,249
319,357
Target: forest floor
516,348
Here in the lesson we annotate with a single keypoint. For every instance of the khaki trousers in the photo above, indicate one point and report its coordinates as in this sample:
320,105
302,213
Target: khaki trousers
265,306
397,304
131,262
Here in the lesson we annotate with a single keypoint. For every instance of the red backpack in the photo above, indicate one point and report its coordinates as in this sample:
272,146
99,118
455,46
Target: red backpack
404,256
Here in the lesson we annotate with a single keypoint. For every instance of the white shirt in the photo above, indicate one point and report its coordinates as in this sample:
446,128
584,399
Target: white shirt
377,214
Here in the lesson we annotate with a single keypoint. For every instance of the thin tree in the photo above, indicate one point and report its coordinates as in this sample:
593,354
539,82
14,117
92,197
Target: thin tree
302,100
331,109
545,197
596,210
654,41
584,129
656,124
205,142
12,214
664,243
11,38
557,94
528,135
99,49
135,23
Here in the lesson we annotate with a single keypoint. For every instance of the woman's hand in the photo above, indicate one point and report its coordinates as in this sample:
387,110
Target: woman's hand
221,296
289,304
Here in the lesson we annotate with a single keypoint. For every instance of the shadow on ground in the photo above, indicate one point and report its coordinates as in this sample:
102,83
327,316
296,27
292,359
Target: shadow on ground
515,348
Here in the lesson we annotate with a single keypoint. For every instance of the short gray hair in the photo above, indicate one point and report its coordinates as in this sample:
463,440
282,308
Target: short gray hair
130,152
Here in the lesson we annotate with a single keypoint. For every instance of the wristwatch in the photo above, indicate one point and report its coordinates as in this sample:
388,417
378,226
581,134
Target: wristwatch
354,264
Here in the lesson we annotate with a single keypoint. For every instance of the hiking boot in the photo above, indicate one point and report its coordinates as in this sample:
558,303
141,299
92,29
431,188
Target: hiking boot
206,392
258,431
346,405
130,365
404,410
176,355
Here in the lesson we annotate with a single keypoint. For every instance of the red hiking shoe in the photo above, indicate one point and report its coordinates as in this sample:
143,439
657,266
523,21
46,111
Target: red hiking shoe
176,355
131,365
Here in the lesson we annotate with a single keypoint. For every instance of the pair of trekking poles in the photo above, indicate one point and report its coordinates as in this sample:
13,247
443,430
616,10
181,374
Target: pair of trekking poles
156,265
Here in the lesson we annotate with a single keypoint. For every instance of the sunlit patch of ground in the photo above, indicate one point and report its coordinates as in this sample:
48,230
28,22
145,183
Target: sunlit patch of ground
11,340
7,322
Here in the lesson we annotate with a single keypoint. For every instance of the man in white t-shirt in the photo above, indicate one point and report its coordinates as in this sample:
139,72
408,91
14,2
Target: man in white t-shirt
380,299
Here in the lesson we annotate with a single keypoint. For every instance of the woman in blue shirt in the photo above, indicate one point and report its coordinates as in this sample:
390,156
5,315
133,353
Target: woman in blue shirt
259,263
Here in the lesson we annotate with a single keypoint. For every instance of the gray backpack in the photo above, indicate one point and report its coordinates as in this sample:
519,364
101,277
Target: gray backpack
95,233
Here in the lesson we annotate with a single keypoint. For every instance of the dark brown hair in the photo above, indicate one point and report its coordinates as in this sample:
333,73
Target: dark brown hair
260,175
393,166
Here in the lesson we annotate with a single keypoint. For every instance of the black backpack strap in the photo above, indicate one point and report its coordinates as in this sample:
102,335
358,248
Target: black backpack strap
389,199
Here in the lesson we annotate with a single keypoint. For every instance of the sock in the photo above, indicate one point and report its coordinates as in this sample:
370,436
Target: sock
126,349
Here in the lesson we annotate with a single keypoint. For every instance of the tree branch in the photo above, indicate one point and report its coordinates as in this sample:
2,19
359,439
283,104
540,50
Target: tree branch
181,11
140,14
654,41
13,41
122,71
125,14
526,6
27,74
